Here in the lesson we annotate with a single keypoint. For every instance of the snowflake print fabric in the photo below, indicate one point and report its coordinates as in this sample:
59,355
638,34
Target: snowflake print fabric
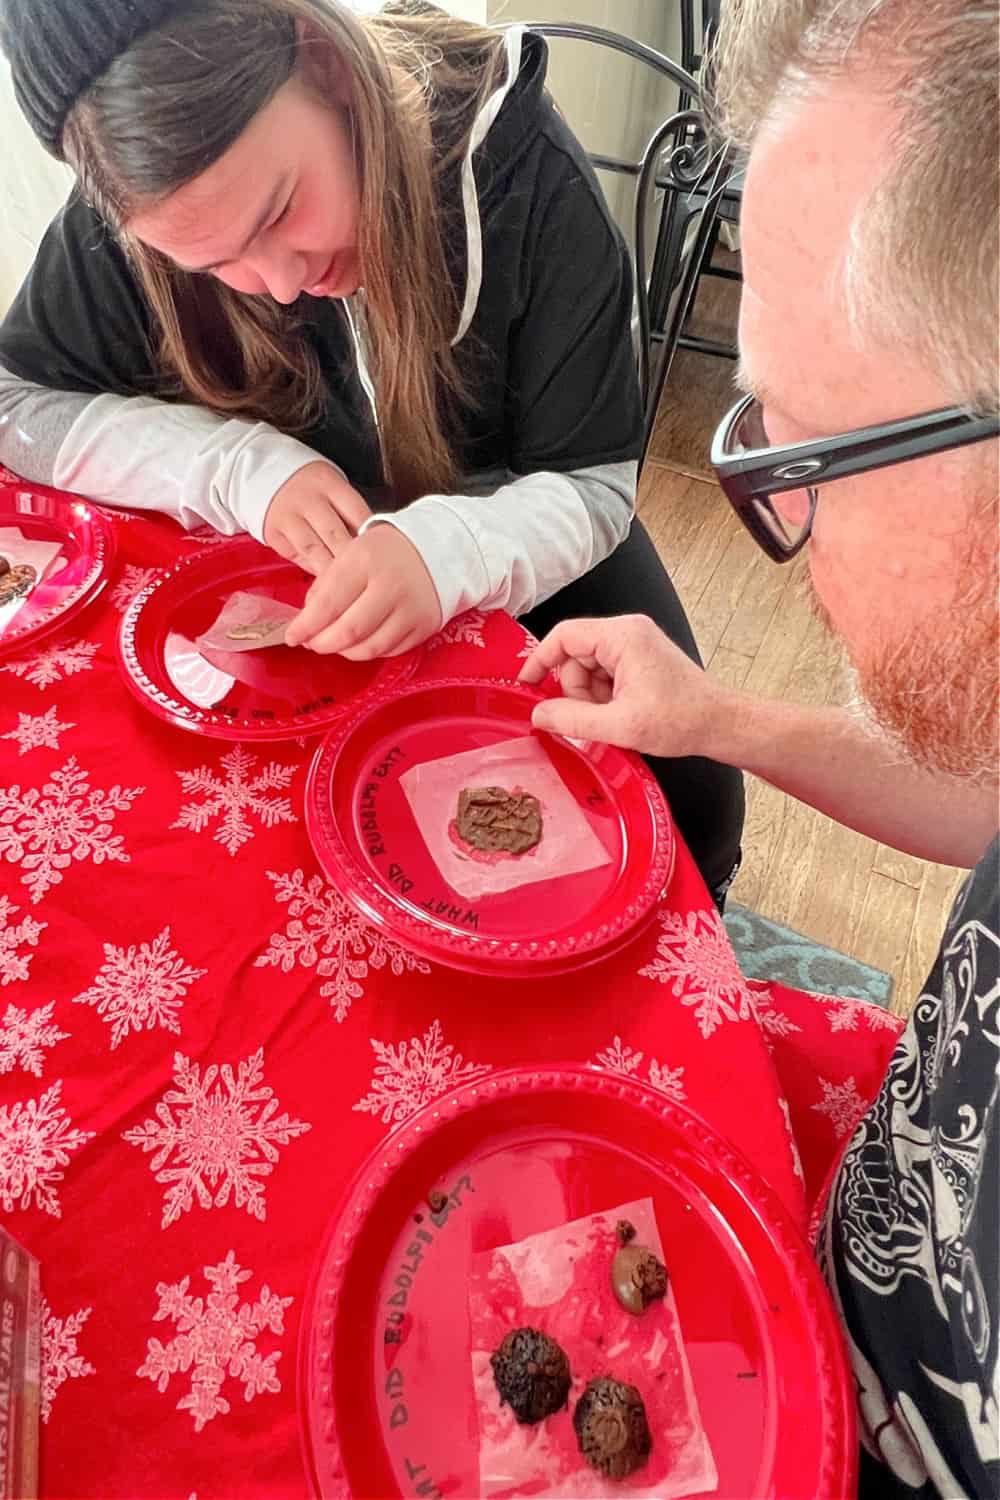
37,731
695,959
235,798
37,1140
45,831
216,1340
15,938
140,987
61,1359
54,663
25,1037
215,1136
410,1075
627,1062
325,934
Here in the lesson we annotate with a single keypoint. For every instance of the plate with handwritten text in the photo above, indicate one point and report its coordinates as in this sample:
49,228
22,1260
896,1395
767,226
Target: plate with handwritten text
392,1394
277,693
394,800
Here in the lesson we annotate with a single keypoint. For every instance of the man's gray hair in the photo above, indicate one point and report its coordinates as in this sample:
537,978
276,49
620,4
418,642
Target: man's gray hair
922,266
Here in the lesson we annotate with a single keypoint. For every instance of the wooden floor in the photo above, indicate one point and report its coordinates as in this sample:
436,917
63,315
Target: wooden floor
756,630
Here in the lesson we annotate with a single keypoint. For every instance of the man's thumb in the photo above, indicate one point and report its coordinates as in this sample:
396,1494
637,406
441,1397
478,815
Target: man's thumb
575,719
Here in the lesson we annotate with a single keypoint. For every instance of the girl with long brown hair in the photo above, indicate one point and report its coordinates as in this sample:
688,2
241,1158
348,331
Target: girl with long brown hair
348,284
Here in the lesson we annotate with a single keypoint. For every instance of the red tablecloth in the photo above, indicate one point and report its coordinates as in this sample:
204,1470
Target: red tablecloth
200,1043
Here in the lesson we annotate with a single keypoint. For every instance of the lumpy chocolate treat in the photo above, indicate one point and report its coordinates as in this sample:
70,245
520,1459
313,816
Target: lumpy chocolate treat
637,1276
497,821
16,582
4,566
625,1230
532,1374
611,1428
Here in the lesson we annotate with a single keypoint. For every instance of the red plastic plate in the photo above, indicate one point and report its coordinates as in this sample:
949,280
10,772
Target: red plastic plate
276,694
519,1153
87,540
368,843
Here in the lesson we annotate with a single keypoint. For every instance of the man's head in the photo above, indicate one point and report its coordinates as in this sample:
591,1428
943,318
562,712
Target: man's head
869,234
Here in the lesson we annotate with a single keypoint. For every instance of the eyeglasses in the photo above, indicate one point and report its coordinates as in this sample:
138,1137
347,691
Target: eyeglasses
751,472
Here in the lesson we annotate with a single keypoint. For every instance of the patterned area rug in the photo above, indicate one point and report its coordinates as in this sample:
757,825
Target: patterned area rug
767,951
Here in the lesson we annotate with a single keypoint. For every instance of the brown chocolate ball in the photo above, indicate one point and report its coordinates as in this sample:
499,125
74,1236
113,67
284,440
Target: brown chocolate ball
611,1428
637,1277
532,1374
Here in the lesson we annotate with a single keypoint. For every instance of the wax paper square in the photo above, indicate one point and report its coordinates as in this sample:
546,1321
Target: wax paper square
244,609
560,1283
568,846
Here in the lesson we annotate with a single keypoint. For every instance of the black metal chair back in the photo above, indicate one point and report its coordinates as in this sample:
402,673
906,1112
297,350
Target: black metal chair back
680,163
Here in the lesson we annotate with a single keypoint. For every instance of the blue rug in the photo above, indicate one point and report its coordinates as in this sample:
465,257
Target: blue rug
767,951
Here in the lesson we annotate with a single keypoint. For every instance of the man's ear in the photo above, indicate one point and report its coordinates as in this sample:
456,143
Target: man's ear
320,65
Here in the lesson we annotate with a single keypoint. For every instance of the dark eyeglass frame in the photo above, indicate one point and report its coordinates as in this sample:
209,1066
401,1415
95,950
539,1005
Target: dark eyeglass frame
750,477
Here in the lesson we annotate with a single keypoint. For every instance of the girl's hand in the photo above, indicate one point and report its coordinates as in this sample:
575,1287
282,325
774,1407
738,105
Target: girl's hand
376,599
314,516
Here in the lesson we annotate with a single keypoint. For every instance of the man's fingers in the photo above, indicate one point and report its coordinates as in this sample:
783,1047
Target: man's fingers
579,679
573,640
579,720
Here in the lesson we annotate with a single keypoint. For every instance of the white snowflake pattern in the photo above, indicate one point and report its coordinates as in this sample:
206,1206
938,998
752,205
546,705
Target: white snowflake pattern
54,663
24,1037
132,582
626,1061
234,797
36,1140
215,1137
668,1080
326,934
410,1075
46,830
13,936
530,642
216,1337
619,1059
463,630
695,959
796,1158
60,1358
37,731
842,1105
844,1014
140,987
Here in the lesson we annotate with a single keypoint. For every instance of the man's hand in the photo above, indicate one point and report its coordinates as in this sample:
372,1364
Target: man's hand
314,516
624,683
376,599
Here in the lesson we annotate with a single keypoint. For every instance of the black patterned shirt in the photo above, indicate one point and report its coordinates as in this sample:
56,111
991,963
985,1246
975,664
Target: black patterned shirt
910,1244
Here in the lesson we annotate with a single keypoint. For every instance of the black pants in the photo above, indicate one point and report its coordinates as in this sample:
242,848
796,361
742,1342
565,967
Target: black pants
705,799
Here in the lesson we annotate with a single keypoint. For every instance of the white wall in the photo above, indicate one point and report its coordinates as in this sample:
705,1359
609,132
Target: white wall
32,186
612,103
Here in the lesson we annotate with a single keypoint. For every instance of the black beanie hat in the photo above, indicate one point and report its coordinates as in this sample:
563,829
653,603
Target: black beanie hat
58,48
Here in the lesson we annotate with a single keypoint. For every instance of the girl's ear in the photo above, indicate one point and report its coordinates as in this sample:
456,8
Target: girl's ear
320,65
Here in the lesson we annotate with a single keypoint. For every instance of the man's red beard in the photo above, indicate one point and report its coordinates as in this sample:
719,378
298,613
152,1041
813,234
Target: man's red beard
938,695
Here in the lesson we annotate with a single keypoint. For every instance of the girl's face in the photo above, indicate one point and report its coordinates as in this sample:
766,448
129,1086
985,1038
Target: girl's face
277,214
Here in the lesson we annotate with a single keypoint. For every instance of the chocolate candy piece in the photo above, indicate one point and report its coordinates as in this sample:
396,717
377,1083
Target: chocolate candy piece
532,1374
16,582
637,1277
492,819
611,1427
